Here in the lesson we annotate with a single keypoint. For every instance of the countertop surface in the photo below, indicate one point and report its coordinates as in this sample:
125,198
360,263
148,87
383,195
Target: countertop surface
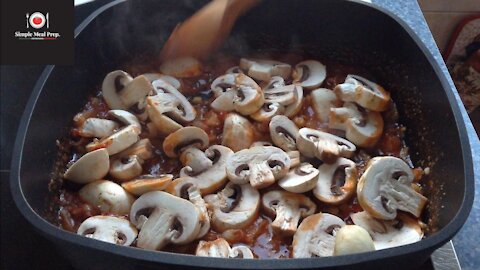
22,248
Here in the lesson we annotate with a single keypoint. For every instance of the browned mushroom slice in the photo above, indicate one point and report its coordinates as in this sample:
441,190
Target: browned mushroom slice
300,179
324,146
385,187
108,196
310,74
365,93
183,138
163,219
109,229
287,208
283,132
146,183
182,67
336,182
260,165
234,207
120,91
264,70
235,127
322,101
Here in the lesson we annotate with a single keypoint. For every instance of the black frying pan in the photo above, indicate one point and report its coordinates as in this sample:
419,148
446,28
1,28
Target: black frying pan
346,31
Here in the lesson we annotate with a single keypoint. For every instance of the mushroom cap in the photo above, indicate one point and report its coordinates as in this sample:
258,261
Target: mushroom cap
98,128
323,100
287,208
295,107
310,74
126,168
267,111
300,179
401,231
171,220
116,142
218,248
264,70
135,91
234,207
162,123
315,237
322,145
185,137
236,126
363,128
113,83
170,101
195,161
241,252
183,67
215,176
146,183
108,196
90,167
365,93
259,165
385,186
126,118
336,182
166,78
109,229
352,239
283,132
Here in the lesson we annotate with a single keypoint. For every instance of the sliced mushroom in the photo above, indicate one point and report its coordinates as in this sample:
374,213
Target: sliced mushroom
234,207
108,196
352,239
323,145
365,93
267,111
322,101
385,187
120,91
283,132
235,127
196,159
261,143
401,231
162,123
237,92
211,178
186,188
220,248
241,252
287,208
260,165
295,107
146,183
116,142
234,69
264,70
126,118
90,167
363,128
310,74
315,237
171,102
163,219
126,168
294,158
300,179
109,229
143,149
284,95
98,128
166,78
186,137
183,67
336,182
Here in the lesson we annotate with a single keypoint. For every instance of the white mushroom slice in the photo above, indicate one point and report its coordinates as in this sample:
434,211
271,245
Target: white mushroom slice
264,70
260,165
171,102
274,82
116,142
385,187
241,252
98,128
120,91
109,229
218,248
261,143
163,219
315,237
234,207
336,182
363,128
365,93
213,177
196,159
295,107
284,95
283,132
126,168
310,74
235,127
108,196
267,111
294,158
146,183
143,149
186,188
322,101
401,231
183,67
234,69
300,179
90,167
352,239
166,78
287,208
178,141
125,117
322,145
163,124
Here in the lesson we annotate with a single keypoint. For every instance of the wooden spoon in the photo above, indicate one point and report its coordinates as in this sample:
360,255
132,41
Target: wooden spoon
205,30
